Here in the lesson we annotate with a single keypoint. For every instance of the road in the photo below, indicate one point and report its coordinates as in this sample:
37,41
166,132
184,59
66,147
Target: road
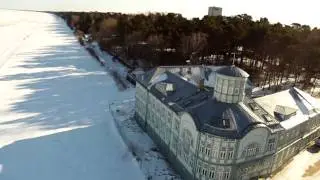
54,116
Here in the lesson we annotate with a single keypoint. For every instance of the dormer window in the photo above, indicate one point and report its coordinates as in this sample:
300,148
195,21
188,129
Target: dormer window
226,123
169,87
227,117
254,106
267,117
165,88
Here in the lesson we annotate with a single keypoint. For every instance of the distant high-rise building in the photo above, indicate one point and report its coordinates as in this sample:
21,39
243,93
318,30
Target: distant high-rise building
215,11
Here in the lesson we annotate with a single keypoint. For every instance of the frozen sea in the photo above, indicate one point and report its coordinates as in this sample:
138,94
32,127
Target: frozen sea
55,122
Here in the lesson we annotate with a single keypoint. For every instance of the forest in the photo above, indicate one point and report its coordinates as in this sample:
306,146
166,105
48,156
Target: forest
273,54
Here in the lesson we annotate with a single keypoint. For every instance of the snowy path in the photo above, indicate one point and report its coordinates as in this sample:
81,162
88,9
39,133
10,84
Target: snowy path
54,118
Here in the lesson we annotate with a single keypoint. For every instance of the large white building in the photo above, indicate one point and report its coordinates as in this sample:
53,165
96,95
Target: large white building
215,11
204,120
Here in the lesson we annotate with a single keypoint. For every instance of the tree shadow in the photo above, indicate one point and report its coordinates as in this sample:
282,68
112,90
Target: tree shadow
61,87
65,85
68,87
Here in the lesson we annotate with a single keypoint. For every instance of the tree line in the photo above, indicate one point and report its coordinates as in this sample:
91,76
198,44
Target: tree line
271,53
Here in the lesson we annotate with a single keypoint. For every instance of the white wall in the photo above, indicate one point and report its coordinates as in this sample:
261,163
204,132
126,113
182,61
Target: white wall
187,125
257,135
229,89
215,11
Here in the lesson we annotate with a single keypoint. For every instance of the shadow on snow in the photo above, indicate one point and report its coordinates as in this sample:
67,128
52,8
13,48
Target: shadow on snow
78,157
68,89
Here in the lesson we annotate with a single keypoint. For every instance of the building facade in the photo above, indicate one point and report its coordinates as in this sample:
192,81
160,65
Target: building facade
208,127
215,11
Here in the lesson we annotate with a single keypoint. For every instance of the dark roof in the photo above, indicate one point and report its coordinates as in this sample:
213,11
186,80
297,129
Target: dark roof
221,119
232,71
210,116
184,95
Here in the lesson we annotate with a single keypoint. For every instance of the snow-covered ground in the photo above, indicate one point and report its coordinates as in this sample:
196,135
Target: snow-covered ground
304,166
54,117
152,163
117,70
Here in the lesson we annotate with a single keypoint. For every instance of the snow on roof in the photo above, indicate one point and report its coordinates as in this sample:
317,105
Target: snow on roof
292,99
159,78
312,102
294,120
232,71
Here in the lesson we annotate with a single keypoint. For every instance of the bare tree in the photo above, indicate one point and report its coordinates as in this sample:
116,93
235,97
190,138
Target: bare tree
193,45
107,28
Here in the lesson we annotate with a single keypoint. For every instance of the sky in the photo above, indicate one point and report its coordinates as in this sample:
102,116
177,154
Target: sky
284,11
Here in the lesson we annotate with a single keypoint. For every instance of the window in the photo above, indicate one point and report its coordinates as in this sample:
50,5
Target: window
222,154
214,154
226,175
199,170
230,154
271,144
211,174
226,154
230,90
204,172
201,149
251,150
225,89
236,91
208,151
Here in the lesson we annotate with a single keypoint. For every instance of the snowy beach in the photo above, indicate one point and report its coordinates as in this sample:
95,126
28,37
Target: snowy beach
54,116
